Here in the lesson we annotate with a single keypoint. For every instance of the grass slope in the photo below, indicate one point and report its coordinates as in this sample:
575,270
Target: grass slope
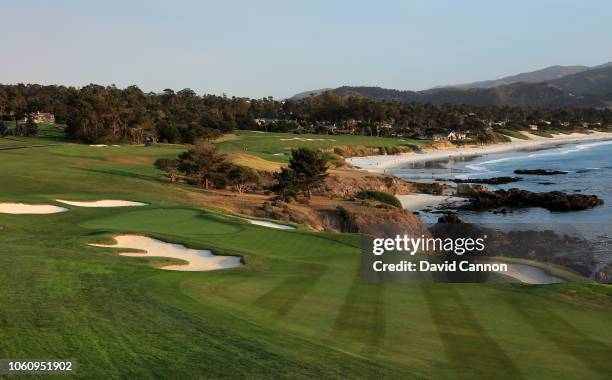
277,146
297,309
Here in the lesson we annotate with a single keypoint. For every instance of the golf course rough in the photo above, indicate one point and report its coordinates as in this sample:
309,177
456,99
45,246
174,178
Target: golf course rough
298,309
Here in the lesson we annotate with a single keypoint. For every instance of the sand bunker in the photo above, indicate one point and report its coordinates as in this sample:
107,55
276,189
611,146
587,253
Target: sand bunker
102,203
198,260
528,274
23,208
264,223
305,139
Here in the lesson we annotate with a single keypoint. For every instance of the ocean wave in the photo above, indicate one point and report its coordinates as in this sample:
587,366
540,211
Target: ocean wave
573,149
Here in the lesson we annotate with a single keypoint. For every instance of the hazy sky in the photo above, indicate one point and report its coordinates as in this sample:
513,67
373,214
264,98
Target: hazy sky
279,48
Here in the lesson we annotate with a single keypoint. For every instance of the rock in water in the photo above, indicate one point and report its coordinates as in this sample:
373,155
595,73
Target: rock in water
450,218
539,172
553,200
488,181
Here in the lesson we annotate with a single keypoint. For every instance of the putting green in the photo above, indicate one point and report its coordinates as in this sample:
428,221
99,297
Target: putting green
296,309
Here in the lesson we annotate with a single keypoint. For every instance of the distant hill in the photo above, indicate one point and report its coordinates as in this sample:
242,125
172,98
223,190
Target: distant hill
541,95
543,75
567,86
306,94
596,82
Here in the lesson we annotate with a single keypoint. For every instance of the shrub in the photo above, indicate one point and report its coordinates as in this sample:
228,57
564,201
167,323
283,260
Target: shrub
380,196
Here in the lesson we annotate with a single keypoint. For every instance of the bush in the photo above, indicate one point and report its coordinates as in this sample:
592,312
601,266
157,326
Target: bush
165,164
380,196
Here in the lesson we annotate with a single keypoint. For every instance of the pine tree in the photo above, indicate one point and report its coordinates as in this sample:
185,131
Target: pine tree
306,171
204,164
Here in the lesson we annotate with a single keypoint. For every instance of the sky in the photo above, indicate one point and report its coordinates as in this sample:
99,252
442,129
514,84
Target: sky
279,48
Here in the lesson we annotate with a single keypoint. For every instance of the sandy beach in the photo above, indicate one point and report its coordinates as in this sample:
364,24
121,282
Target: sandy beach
379,163
418,201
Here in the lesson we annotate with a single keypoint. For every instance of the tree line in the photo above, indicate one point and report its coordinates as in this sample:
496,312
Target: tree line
204,165
103,114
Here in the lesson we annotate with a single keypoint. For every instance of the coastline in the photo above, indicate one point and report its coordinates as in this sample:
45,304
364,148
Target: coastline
419,201
382,162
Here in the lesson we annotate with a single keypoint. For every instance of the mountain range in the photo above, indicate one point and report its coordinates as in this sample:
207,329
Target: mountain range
552,87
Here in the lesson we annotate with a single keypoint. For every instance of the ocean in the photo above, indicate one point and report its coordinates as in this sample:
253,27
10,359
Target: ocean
589,167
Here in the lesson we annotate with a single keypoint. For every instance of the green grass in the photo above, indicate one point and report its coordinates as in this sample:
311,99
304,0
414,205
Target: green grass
298,309
380,196
277,146
513,133
542,133
48,134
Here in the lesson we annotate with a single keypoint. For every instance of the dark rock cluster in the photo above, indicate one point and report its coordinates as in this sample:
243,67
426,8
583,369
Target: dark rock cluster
538,172
489,181
553,200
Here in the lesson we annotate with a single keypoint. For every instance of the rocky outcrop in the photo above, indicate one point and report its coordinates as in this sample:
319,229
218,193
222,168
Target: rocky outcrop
450,218
376,221
553,201
347,183
539,172
604,275
435,188
486,181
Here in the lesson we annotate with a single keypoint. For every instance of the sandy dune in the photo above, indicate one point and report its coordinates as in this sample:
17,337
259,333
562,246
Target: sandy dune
102,203
197,260
24,208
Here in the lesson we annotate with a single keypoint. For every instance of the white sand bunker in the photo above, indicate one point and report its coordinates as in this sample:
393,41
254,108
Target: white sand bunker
24,208
305,139
264,223
102,203
198,260
528,274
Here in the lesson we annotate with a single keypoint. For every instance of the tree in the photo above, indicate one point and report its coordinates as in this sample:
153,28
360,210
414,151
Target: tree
203,164
168,132
169,166
306,171
242,179
30,128
3,128
286,184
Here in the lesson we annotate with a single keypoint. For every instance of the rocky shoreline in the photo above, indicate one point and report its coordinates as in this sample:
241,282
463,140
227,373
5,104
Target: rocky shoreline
481,200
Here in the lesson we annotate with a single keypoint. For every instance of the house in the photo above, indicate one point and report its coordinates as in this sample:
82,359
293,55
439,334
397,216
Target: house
456,135
533,127
42,117
497,124
260,121
436,137
451,136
